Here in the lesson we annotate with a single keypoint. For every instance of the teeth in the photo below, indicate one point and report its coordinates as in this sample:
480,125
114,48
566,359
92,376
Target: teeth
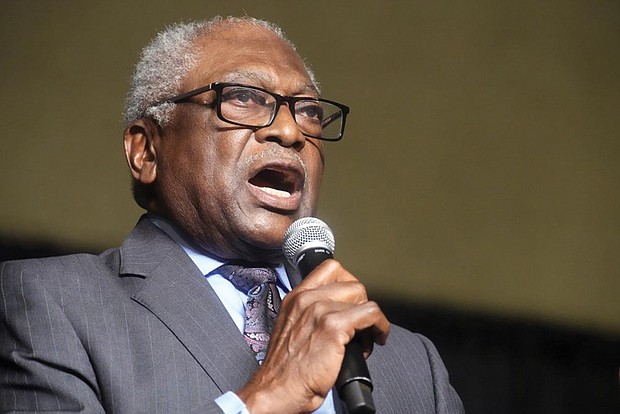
275,192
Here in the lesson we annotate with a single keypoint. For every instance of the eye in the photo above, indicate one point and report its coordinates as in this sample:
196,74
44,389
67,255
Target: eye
243,97
311,110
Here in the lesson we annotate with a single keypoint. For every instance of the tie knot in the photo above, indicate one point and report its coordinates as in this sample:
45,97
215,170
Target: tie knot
245,278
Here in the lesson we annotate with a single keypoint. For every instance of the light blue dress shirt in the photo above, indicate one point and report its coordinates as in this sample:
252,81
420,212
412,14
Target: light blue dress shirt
234,301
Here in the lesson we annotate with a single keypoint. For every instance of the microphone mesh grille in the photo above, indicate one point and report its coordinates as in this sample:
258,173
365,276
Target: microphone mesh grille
305,233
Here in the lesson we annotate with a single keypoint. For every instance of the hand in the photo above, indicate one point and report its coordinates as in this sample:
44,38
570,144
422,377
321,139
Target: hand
316,320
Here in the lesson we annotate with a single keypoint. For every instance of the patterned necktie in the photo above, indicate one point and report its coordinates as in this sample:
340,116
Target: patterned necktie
262,306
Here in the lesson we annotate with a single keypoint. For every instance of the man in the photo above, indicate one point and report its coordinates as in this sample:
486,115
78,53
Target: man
223,161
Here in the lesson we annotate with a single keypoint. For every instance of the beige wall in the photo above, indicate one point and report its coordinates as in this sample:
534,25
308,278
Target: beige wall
480,170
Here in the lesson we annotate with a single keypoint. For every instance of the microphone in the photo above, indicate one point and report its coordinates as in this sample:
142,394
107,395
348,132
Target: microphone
307,243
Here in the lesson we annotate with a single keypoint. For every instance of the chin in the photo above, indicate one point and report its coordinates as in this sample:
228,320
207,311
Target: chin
270,234
264,237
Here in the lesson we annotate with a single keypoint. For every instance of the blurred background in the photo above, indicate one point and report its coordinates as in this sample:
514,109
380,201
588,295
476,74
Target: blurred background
476,192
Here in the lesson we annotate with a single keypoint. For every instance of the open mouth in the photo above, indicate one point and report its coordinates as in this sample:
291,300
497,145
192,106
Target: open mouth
277,182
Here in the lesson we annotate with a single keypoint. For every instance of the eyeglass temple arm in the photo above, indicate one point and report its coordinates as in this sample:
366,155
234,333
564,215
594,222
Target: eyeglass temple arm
331,119
184,96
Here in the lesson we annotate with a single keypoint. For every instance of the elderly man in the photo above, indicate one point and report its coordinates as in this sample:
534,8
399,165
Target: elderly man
224,141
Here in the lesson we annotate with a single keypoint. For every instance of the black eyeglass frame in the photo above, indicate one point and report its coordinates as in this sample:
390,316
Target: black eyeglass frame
280,99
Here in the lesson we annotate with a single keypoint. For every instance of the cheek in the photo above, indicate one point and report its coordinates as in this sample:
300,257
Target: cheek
213,174
315,166
185,171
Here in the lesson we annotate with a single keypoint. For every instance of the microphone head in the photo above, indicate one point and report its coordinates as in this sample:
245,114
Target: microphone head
306,233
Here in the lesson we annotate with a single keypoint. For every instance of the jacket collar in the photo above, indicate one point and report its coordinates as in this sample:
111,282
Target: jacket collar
173,289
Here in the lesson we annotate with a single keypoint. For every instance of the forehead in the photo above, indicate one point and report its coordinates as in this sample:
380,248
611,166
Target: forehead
252,55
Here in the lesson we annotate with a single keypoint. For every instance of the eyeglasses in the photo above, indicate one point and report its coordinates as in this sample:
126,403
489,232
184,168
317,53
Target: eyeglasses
254,107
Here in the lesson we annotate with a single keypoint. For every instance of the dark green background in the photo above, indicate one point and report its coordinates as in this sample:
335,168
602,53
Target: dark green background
480,167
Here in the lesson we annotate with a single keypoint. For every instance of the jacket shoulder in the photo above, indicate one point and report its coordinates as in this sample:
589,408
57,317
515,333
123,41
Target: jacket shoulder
60,273
62,264
410,361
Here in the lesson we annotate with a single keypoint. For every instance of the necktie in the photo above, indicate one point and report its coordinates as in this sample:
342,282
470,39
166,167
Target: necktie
262,305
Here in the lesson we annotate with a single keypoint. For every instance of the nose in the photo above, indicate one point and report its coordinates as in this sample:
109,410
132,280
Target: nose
283,130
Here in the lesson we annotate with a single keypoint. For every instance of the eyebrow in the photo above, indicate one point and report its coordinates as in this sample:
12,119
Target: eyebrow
263,79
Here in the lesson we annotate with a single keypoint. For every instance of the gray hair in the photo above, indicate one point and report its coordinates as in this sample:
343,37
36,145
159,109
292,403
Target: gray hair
167,60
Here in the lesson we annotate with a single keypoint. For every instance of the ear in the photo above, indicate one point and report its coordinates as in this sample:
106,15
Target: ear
140,151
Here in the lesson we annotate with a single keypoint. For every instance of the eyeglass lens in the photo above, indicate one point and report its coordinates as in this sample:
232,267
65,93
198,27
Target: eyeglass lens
254,107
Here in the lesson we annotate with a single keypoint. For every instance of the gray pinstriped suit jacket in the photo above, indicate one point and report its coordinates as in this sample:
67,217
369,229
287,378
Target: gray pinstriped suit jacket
139,329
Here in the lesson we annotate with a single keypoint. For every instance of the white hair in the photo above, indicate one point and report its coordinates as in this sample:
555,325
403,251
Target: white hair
167,60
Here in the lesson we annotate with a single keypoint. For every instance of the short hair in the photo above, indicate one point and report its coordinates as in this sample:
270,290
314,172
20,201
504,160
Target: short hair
169,57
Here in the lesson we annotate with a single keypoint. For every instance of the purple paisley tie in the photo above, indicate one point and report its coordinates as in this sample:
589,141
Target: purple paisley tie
262,306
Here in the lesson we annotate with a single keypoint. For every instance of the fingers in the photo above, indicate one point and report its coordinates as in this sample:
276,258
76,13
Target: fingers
330,271
328,282
315,322
339,322
301,299
335,303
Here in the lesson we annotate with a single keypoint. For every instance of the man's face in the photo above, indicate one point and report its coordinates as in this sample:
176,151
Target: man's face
235,190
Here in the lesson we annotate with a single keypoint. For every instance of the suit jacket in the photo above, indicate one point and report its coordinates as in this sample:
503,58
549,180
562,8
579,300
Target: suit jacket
139,329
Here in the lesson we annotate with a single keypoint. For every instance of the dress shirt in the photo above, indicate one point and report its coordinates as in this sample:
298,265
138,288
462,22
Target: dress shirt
234,301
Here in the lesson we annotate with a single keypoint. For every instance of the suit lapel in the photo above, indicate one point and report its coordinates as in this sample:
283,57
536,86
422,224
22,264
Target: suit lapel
177,294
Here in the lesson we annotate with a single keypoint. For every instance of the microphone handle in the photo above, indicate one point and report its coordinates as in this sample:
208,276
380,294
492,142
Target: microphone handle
353,384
